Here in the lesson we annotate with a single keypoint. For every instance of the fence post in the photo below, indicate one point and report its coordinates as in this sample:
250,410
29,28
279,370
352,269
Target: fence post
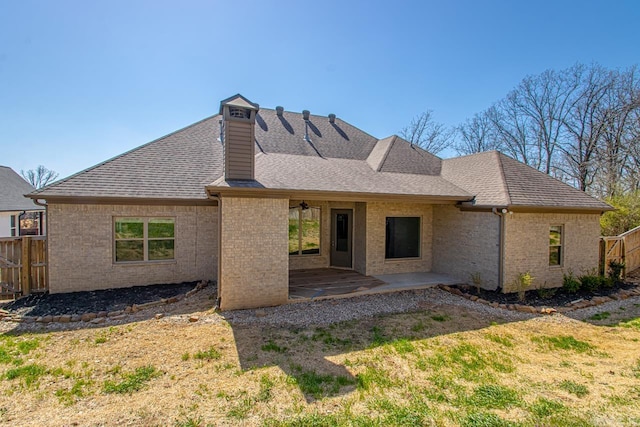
25,276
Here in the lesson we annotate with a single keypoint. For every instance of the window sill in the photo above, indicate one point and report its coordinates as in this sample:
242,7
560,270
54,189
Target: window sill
143,263
303,255
408,259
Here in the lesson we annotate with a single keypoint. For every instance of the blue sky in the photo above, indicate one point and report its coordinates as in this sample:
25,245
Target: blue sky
82,81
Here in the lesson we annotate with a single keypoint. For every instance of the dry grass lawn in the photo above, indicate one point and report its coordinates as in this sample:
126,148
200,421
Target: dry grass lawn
445,368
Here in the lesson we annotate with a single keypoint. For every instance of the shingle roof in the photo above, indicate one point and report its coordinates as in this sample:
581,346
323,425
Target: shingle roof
12,191
335,157
313,173
176,166
285,134
498,180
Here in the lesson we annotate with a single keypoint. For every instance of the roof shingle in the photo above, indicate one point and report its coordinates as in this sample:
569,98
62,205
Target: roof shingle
12,191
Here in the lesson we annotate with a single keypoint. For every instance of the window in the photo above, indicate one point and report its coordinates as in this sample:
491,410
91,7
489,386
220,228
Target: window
555,245
30,223
403,237
144,239
304,230
12,225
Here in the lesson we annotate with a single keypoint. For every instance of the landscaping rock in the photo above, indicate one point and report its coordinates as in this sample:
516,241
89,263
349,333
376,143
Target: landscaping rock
261,313
159,316
76,317
98,320
44,319
88,317
193,318
115,313
65,318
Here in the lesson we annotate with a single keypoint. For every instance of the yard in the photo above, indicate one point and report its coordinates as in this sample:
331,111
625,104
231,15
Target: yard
442,365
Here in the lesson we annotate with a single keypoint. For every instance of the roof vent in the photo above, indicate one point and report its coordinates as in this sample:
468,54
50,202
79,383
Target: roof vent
305,114
239,113
332,118
279,110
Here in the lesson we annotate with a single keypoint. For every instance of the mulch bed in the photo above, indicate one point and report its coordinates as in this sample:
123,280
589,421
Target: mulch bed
93,301
556,297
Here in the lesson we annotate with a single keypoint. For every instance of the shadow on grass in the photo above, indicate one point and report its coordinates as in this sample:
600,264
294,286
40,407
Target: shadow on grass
316,359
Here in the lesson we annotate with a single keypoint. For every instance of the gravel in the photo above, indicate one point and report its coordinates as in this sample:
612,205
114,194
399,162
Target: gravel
326,312
199,308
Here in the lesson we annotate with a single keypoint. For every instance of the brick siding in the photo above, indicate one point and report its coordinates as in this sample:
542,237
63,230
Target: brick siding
254,253
527,247
376,214
466,244
81,247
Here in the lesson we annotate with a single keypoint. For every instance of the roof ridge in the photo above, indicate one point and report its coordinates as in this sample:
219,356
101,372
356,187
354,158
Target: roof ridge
63,180
498,156
386,154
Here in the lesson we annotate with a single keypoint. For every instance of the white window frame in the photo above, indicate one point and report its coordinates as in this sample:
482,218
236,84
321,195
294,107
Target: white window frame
14,230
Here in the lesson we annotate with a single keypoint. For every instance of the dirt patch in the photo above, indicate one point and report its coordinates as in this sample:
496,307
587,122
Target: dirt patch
93,301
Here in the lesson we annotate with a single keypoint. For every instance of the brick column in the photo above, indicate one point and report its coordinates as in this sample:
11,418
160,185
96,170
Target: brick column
254,267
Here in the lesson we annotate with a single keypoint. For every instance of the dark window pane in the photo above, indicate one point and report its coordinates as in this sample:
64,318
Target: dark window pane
342,232
554,255
129,228
161,249
129,250
403,237
159,227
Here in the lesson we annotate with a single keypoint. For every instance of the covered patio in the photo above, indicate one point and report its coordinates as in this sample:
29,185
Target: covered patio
321,283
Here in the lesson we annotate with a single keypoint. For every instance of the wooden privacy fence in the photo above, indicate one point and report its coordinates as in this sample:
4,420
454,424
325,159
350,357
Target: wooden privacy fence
624,248
23,265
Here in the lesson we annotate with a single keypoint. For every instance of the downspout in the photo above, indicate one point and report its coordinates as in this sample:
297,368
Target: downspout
501,233
219,249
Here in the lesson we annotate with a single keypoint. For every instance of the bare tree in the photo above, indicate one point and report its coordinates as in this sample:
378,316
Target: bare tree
427,134
476,135
583,126
39,177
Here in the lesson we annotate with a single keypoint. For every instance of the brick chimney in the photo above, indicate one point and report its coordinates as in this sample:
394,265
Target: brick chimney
238,120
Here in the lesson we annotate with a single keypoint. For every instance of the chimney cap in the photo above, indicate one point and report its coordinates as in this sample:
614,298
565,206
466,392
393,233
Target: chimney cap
279,110
238,100
305,114
332,118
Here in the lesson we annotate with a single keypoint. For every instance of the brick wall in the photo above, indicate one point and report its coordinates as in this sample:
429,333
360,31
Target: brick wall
527,246
466,244
81,247
254,253
376,214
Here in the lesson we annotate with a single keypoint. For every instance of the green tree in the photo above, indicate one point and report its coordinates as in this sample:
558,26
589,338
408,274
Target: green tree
625,217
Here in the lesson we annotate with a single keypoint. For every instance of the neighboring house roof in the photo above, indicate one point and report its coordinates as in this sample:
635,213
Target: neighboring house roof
12,191
316,155
498,180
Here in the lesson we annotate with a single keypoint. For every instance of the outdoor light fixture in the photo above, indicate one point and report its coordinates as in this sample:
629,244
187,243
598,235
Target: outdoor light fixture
304,206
